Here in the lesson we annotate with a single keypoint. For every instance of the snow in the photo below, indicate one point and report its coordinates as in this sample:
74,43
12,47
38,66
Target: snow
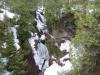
6,73
91,0
90,11
61,59
4,60
17,46
72,8
4,45
67,64
2,16
65,45
54,69
5,13
67,67
9,14
15,39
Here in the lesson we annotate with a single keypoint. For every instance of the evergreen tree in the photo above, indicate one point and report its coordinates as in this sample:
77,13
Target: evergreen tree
87,27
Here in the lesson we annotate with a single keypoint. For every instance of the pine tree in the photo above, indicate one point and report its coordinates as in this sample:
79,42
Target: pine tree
87,32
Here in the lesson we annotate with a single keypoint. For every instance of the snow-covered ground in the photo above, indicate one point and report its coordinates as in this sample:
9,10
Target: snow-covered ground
55,69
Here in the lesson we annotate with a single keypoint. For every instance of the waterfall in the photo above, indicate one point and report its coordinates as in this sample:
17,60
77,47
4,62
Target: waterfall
39,49
40,19
40,52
